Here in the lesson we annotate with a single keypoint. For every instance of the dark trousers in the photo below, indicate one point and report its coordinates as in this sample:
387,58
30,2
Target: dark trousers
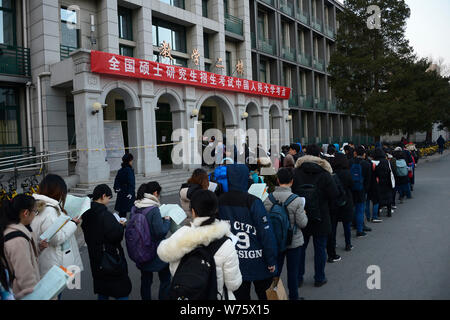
320,257
243,293
293,262
147,280
331,243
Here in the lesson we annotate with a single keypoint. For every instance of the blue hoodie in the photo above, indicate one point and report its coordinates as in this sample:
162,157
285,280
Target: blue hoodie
249,222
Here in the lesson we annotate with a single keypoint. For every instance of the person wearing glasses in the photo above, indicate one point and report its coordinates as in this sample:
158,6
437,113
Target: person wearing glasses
103,234
19,248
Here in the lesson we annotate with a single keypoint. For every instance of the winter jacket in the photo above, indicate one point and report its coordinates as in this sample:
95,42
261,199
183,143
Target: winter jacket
63,249
360,196
124,185
316,171
344,213
158,227
187,239
22,258
186,192
247,216
296,211
383,175
440,141
101,229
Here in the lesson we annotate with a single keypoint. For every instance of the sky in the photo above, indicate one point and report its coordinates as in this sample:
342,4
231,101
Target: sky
428,28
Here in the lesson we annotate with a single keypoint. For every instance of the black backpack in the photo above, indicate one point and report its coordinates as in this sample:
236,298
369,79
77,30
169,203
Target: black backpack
196,278
341,199
10,236
312,203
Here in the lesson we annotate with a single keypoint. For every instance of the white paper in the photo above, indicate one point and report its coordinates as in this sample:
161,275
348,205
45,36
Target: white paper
55,227
76,206
174,211
52,284
118,218
212,186
259,190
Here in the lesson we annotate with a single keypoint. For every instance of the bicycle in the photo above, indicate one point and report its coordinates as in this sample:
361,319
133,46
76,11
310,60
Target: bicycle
12,192
32,184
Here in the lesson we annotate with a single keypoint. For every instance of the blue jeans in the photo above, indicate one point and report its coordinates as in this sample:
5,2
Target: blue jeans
293,262
102,297
404,190
320,257
359,214
147,280
374,210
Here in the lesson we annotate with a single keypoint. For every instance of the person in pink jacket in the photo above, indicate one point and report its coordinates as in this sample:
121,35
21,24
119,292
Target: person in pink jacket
19,247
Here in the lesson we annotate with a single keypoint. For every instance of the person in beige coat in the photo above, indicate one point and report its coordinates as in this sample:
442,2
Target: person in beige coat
198,181
63,248
204,230
19,245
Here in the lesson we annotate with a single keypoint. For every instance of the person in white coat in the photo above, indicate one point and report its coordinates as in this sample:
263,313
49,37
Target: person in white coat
204,229
63,249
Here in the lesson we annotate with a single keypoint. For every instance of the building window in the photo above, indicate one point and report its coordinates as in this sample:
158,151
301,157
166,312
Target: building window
8,23
126,51
181,62
205,8
9,117
125,23
175,3
174,34
70,34
228,62
206,45
226,6
262,71
208,67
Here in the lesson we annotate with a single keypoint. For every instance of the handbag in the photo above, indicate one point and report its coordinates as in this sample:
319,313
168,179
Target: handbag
392,176
276,290
112,263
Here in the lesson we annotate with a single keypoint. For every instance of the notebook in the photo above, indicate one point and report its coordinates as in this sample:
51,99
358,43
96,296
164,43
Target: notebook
174,211
52,284
259,190
76,206
55,227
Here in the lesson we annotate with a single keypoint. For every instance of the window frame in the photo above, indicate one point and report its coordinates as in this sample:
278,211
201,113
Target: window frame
157,23
16,108
122,11
66,22
122,46
12,11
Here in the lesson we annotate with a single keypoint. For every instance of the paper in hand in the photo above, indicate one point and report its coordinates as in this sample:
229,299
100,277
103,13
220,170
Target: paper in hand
174,211
52,284
76,206
118,218
55,227
212,186
259,190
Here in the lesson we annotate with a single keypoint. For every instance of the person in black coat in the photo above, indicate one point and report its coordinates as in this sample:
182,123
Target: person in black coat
124,186
383,176
343,213
311,169
102,232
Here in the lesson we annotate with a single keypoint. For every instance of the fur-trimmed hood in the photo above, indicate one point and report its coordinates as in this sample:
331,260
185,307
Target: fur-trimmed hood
187,239
43,201
149,200
324,164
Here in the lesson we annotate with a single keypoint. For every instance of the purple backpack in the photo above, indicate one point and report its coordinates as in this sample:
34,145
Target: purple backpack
140,246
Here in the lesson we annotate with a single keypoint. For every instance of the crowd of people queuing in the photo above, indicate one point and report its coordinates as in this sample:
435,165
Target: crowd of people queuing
230,239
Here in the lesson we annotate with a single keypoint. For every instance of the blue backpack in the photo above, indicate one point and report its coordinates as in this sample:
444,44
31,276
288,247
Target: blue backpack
402,168
220,176
279,219
357,177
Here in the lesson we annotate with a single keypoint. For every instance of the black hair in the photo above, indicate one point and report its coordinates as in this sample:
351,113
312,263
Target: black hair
331,149
379,154
149,188
99,191
360,151
205,204
340,162
54,186
285,175
295,147
10,214
313,150
127,157
399,155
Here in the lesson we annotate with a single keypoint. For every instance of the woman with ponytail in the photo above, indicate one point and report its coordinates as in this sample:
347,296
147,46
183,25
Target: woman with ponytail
205,230
19,253
63,248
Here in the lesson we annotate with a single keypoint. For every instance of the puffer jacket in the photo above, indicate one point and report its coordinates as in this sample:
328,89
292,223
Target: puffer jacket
187,239
63,249
296,211
22,257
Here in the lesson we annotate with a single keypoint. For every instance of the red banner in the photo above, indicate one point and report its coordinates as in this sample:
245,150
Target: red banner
103,62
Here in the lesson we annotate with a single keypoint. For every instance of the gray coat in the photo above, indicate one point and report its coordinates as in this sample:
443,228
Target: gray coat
296,213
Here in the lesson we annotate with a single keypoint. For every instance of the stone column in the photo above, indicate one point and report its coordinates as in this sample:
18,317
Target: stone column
144,34
109,26
92,166
245,48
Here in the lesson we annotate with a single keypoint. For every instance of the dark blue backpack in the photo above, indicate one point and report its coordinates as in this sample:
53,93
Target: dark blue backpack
357,177
279,218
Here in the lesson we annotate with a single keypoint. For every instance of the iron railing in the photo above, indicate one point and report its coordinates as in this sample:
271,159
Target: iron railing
288,53
65,51
234,24
302,16
287,7
15,61
304,59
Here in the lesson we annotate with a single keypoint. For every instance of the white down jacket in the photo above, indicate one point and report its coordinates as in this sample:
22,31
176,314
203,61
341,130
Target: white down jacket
186,239
63,249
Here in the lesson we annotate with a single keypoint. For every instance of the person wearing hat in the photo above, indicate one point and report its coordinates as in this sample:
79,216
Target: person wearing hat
124,186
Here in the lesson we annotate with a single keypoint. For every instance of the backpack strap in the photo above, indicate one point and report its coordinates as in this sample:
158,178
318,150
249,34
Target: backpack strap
272,199
15,234
291,198
216,244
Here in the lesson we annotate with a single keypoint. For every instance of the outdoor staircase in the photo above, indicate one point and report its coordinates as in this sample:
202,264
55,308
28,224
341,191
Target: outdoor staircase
170,181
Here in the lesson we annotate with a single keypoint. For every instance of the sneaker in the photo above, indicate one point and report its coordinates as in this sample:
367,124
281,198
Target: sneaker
319,284
366,228
377,220
349,248
361,234
394,207
335,259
